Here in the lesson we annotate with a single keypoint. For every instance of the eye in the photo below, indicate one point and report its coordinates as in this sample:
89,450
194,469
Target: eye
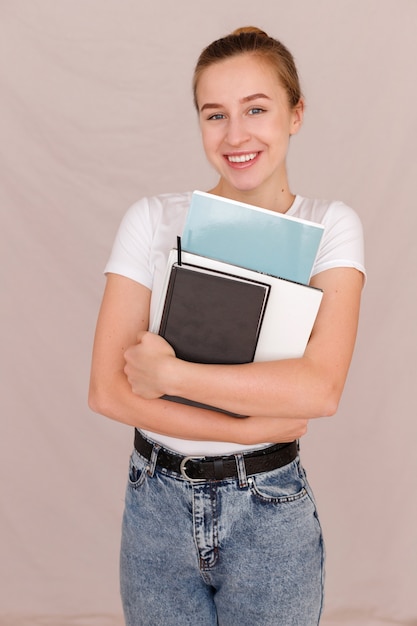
216,116
256,111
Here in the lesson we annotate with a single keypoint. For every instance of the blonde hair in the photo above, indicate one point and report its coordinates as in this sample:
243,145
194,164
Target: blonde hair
252,40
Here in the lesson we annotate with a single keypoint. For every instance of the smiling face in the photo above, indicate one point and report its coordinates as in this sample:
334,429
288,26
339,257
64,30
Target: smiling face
246,122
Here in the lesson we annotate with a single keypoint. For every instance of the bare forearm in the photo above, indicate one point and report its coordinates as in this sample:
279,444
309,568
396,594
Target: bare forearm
286,389
186,422
118,402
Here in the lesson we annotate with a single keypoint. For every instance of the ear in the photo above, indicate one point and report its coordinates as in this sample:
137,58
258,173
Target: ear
297,117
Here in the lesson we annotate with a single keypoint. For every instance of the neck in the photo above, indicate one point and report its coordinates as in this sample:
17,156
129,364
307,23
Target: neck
277,199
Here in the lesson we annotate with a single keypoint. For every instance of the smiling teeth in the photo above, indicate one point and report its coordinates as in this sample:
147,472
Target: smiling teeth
242,158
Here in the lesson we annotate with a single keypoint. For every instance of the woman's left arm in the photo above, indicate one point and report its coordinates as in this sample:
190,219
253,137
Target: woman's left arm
305,387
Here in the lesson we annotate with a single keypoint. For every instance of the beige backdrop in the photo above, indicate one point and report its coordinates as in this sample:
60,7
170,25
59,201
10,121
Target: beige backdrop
95,111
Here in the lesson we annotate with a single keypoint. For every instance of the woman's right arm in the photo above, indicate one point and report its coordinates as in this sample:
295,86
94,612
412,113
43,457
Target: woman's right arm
123,314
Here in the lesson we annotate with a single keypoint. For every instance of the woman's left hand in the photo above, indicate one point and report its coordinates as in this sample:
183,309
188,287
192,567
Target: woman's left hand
146,364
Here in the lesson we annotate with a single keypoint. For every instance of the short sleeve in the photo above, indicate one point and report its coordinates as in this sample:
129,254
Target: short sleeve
342,244
130,253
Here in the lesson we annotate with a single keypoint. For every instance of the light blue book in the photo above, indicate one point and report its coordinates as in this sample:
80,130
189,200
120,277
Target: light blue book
251,237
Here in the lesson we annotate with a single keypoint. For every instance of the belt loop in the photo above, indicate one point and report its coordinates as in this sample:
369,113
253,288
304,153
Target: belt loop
153,459
241,471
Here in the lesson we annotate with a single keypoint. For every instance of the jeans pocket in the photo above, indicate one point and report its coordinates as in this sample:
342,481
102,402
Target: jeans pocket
137,470
283,485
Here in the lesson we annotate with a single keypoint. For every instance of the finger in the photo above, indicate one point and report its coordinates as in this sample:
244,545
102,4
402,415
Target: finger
141,335
127,354
126,372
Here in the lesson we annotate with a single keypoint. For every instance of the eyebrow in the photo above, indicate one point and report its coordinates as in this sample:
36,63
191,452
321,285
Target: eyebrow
215,105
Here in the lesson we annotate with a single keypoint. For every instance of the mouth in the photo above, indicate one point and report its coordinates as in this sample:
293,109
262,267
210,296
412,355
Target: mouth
241,158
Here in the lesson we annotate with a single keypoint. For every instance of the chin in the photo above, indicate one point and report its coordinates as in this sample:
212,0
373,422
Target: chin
245,187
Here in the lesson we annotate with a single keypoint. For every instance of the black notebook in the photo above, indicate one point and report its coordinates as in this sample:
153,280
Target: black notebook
212,317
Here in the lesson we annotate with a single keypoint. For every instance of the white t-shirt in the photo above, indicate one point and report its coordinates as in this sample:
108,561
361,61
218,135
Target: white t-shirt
149,231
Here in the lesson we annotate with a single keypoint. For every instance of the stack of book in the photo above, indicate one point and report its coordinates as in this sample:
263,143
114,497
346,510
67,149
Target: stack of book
236,288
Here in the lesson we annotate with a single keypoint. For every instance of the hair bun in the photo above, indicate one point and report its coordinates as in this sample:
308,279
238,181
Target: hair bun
253,41
249,29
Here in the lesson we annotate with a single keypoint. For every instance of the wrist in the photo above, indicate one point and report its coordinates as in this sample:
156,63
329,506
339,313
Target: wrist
172,376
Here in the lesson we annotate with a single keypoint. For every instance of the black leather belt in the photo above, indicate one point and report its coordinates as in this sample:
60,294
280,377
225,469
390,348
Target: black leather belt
196,468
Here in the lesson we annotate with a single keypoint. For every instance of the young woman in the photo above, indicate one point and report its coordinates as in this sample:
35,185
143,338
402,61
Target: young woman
220,525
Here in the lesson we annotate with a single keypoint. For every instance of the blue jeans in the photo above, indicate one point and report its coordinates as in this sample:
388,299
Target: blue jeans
237,552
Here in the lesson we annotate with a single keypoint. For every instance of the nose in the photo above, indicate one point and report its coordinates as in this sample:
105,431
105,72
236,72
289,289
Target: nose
237,132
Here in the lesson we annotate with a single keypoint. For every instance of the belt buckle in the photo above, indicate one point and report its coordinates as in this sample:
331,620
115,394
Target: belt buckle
183,471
